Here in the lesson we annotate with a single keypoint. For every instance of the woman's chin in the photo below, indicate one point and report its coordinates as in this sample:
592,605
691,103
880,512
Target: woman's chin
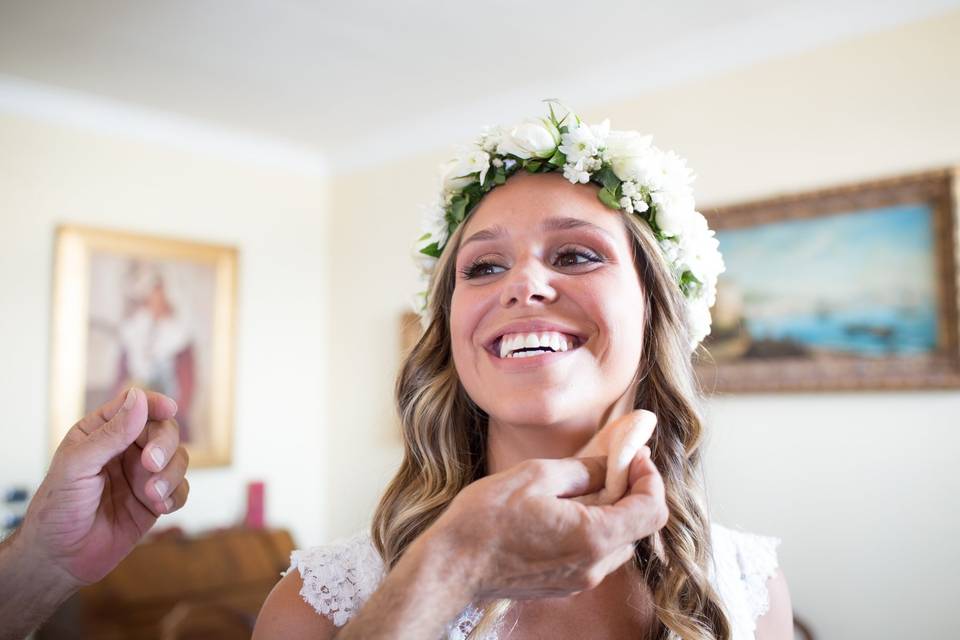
533,411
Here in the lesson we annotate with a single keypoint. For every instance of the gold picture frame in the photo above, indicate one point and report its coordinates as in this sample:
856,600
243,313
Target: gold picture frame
846,288
152,311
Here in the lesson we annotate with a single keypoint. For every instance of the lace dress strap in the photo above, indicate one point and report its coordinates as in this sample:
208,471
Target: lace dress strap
338,578
743,562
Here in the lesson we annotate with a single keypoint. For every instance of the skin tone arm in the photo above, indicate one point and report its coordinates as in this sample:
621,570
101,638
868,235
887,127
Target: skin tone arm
115,472
777,622
515,534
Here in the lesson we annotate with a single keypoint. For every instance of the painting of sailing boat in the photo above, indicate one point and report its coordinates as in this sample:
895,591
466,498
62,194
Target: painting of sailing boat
848,288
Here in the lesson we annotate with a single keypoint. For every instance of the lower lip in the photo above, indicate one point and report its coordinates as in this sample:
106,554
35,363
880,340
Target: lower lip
529,362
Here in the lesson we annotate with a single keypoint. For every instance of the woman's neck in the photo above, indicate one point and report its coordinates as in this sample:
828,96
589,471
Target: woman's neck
510,444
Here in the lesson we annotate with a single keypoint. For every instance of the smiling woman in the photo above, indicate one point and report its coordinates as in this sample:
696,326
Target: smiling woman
560,321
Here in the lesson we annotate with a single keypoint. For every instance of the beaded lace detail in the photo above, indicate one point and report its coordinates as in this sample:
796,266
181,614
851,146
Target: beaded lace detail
339,578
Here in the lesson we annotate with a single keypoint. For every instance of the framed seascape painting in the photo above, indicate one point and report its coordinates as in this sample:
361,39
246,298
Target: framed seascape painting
154,312
852,287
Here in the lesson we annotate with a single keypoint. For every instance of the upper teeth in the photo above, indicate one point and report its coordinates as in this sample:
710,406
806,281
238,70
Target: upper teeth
549,339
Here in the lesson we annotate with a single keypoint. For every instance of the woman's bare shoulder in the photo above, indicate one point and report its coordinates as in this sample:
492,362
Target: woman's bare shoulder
286,615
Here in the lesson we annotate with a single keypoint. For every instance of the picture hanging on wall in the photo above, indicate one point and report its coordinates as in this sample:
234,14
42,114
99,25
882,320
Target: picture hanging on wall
153,312
853,287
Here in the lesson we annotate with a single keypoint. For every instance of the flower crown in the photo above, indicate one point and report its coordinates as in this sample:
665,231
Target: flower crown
634,176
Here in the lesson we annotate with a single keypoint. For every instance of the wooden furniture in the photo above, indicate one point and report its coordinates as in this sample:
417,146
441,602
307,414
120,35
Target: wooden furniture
174,587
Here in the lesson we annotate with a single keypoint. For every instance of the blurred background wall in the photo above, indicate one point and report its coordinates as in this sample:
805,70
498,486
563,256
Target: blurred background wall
859,486
52,174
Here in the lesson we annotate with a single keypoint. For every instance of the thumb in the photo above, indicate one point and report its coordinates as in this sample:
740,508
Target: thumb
113,438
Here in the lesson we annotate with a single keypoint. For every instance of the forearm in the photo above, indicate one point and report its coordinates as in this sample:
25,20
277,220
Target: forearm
433,582
30,590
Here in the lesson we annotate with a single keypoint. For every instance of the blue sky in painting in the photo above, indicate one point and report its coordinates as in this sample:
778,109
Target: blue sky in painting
881,254
834,281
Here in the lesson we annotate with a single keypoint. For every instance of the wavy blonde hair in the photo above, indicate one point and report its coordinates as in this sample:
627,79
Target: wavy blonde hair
444,435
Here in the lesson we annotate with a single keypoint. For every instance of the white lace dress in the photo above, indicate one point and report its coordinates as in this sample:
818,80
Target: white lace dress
338,578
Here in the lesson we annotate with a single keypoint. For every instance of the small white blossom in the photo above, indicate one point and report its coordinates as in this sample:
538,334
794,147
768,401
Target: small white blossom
626,204
575,173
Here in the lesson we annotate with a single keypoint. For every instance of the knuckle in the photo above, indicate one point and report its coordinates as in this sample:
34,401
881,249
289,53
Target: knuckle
535,469
593,542
662,515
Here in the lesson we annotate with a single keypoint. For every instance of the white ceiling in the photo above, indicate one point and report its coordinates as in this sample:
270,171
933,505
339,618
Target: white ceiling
355,80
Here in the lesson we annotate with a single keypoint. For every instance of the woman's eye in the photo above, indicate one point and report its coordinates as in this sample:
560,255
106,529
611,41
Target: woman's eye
479,269
576,257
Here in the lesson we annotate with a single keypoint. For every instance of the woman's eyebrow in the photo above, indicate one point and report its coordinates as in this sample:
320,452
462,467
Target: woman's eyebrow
550,224
561,224
490,233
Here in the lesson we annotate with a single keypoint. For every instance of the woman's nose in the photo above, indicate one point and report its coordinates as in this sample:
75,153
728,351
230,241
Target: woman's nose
527,283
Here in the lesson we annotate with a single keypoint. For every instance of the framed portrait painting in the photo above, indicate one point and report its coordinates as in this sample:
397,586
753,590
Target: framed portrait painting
853,287
158,313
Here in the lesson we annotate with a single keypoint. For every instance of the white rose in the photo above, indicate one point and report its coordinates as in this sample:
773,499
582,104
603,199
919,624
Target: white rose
531,139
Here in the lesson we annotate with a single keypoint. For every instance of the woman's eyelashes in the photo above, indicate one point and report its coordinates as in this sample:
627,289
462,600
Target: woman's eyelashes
570,258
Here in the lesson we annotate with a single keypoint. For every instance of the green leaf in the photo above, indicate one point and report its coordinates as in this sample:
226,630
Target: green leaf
432,250
500,176
609,198
488,181
533,166
689,283
608,178
423,237
458,208
557,159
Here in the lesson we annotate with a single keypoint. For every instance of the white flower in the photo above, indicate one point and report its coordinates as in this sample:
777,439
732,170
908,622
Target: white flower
674,211
576,173
531,139
490,138
626,204
643,166
582,141
622,144
698,321
467,169
629,188
674,173
433,228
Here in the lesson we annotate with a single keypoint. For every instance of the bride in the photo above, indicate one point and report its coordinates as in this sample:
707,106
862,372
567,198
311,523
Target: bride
551,481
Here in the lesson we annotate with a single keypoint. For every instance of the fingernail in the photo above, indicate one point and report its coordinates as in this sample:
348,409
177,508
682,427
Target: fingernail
157,455
168,504
130,399
161,487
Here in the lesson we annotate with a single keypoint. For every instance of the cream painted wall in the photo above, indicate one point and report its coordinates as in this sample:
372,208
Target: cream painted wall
861,486
52,174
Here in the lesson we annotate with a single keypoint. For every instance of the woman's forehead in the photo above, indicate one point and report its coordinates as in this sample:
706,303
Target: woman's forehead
541,202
